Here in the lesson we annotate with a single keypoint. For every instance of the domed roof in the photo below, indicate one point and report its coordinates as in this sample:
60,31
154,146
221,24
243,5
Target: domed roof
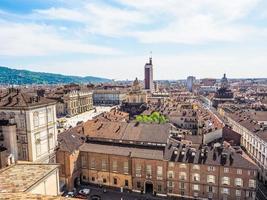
136,82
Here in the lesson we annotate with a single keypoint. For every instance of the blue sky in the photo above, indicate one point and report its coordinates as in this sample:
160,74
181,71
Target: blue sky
113,38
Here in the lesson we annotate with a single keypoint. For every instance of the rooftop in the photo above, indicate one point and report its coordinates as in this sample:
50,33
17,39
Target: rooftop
21,177
27,196
15,98
134,131
254,121
214,154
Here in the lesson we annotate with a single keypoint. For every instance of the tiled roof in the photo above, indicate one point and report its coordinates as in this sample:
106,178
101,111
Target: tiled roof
27,196
208,155
140,132
20,177
250,120
14,98
70,141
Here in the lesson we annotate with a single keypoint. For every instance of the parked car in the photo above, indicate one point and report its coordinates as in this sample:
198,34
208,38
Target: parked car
69,194
85,191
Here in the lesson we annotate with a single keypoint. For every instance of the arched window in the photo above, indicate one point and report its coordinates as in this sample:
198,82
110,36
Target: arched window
35,119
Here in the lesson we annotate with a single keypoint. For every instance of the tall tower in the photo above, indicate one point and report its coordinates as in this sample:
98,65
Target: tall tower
149,75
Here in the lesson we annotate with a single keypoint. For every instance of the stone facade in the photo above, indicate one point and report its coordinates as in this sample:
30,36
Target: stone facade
31,132
108,97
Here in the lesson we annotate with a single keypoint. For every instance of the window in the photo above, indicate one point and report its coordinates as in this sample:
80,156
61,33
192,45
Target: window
211,168
159,172
170,175
49,115
51,139
84,177
182,176
250,194
104,180
138,169
93,179
126,183
196,177
252,183
211,179
126,167
35,119
84,161
104,164
38,144
148,171
114,165
225,180
225,191
159,188
92,163
210,189
196,167
196,187
238,193
138,184
226,170
22,123
239,171
115,181
182,186
170,184
238,182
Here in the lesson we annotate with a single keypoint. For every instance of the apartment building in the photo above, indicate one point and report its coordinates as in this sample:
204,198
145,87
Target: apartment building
147,158
252,126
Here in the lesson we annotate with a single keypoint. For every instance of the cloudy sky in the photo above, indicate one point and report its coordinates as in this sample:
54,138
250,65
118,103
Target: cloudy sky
113,38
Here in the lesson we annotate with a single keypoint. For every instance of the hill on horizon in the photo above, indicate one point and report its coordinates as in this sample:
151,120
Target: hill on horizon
21,77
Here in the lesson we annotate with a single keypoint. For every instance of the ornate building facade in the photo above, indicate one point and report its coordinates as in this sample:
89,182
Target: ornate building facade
28,126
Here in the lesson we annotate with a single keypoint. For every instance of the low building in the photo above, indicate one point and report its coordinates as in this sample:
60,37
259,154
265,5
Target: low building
30,178
108,97
72,102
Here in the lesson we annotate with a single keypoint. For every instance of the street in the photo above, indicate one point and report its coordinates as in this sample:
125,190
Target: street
112,194
72,121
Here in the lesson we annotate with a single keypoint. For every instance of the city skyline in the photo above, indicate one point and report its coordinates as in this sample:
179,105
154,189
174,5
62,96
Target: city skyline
113,38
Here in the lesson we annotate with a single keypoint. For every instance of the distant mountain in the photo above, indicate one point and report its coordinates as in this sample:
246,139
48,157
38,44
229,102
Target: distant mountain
20,77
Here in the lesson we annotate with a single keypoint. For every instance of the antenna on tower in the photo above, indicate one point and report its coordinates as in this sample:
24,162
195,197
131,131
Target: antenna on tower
150,58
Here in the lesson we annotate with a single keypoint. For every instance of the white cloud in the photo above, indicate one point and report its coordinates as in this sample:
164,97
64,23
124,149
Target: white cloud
29,39
157,21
